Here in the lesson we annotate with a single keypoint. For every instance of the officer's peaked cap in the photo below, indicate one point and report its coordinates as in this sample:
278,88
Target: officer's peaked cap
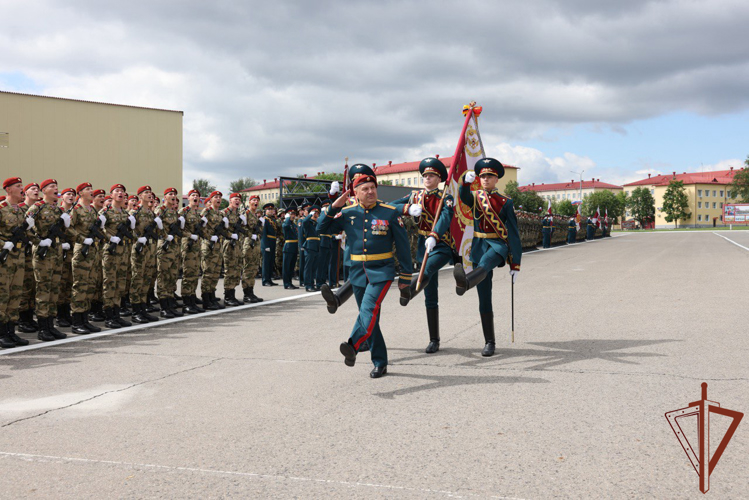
489,166
433,166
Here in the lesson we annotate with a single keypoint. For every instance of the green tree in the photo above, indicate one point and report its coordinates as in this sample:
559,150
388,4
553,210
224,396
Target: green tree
740,184
564,207
676,202
385,183
331,176
203,186
240,185
642,205
603,200
528,201
622,198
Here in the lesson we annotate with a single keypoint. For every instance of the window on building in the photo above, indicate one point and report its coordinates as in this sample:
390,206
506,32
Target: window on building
409,181
728,194
699,193
715,193
721,206
699,217
4,139
699,204
721,193
652,191
721,217
715,205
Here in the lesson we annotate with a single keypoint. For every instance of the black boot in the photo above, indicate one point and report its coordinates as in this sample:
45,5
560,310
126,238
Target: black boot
411,292
123,309
174,307
487,324
138,314
230,298
91,328
26,321
64,320
15,338
6,341
78,327
178,298
118,318
44,333
198,302
433,322
57,334
152,298
338,298
463,281
194,302
249,295
208,303
97,311
166,312
217,302
188,305
110,321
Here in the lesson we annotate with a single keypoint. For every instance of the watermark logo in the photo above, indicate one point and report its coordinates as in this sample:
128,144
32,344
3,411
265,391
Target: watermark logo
701,461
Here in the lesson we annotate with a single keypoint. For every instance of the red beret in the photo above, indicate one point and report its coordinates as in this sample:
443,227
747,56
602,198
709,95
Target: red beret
365,178
47,182
30,185
107,197
10,181
215,193
98,192
67,190
193,191
157,198
83,186
254,197
235,195
170,190
133,197
116,186
142,189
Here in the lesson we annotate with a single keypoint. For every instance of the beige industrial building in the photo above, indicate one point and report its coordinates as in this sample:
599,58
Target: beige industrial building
75,141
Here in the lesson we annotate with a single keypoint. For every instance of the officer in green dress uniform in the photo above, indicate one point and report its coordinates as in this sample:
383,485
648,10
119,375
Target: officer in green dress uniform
268,243
547,230
496,241
311,248
571,230
591,229
290,248
323,257
300,243
371,227
438,244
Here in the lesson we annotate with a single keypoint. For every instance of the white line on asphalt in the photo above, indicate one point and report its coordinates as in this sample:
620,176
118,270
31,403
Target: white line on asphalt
135,328
727,239
42,458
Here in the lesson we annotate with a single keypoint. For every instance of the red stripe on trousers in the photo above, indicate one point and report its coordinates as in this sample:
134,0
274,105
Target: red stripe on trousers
375,312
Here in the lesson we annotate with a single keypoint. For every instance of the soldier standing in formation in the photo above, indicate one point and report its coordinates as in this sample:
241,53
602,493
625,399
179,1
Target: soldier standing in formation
141,254
323,255
571,230
311,248
591,229
290,248
251,257
215,227
232,250
118,226
303,212
191,253
268,243
28,297
547,230
64,320
168,254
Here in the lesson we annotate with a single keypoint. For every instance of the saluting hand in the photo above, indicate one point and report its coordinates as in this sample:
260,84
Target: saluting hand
339,202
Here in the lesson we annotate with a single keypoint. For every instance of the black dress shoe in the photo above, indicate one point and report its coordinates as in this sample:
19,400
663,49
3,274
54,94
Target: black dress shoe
434,346
378,371
488,349
309,289
349,353
290,287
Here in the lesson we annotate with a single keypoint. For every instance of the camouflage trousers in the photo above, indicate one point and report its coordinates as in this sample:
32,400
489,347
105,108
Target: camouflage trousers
84,277
141,277
211,266
152,271
47,274
66,280
232,264
11,286
250,262
29,284
190,267
97,272
114,270
168,263
129,274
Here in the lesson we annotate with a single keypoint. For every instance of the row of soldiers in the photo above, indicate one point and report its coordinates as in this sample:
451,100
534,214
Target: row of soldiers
80,256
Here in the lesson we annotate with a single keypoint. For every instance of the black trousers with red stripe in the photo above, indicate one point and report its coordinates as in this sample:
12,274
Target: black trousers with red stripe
367,326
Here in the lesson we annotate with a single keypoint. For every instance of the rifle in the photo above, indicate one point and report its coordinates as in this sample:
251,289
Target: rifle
237,228
19,236
219,231
55,231
123,233
257,231
198,231
94,233
175,229
149,232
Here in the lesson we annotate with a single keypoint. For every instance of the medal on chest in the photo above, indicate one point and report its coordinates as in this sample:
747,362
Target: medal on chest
380,227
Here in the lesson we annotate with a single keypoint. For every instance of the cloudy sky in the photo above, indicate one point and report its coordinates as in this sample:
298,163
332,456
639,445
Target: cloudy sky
618,89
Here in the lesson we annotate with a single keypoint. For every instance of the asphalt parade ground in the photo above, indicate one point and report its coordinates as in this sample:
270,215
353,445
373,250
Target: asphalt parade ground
256,402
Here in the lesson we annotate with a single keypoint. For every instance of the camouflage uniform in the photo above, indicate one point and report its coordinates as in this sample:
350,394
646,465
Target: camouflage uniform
140,262
211,252
28,293
66,279
168,259
190,252
11,272
114,263
84,276
231,251
47,270
250,253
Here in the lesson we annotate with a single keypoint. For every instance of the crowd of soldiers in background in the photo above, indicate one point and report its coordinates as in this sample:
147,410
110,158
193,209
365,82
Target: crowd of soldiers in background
76,257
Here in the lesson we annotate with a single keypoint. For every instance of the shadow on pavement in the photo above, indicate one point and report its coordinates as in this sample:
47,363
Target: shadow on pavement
443,381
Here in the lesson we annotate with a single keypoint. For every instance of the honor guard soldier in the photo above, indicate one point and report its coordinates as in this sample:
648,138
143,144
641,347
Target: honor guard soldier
496,241
323,257
26,323
435,240
303,212
290,248
215,228
232,249
191,252
118,227
168,253
571,230
547,230
371,227
145,232
311,248
14,227
590,229
251,257
64,320
268,243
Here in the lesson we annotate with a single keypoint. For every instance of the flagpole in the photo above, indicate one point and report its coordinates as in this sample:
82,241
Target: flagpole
512,294
456,160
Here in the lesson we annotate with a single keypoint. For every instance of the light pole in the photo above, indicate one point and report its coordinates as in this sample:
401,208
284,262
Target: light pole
581,184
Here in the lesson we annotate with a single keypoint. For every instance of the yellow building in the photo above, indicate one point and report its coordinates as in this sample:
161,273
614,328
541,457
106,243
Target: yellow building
76,141
570,190
707,192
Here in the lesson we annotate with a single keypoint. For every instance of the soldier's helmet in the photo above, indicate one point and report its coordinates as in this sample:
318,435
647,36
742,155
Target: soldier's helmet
489,166
433,166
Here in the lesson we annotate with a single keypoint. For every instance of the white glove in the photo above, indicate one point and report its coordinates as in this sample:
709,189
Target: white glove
214,238
514,275
226,222
430,243
142,240
45,242
88,241
8,245
267,249
30,222
66,220
114,239
66,246
181,222
470,177
339,236
288,216
158,222
205,221
132,222
262,221
234,236
414,210
169,237
254,237
243,218
194,237
103,221
335,187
